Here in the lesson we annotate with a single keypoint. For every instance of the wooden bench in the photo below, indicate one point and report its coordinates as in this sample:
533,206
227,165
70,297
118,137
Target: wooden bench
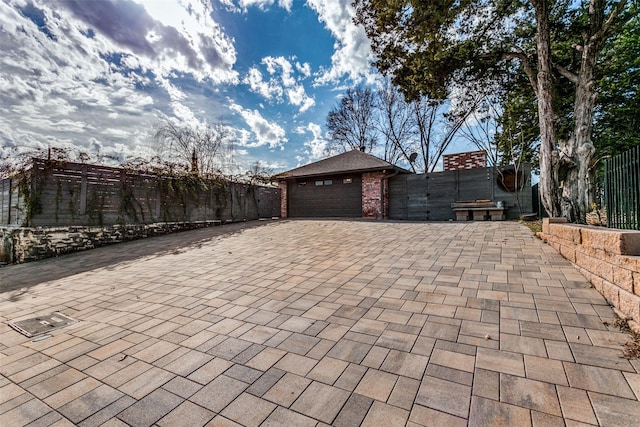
479,210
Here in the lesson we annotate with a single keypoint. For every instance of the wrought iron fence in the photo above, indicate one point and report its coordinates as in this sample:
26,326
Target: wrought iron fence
622,190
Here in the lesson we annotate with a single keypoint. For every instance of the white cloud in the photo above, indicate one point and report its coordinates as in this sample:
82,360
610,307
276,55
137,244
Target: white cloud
317,145
285,4
284,79
166,37
230,6
273,63
264,132
304,69
70,69
184,115
352,56
298,97
268,89
244,5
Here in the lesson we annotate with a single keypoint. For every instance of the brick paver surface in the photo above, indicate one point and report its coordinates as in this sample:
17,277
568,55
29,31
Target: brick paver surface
313,323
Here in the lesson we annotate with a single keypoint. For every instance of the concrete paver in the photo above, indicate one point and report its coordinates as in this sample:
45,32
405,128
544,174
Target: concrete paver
312,323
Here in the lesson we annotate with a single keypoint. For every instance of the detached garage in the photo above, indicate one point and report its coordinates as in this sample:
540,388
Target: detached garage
349,185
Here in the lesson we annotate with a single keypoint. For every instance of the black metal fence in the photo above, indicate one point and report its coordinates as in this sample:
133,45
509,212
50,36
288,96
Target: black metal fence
622,190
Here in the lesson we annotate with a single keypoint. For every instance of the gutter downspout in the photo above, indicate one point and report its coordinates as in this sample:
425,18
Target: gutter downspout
386,177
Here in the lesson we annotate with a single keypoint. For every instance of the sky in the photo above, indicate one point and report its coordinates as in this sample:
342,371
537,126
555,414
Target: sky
100,76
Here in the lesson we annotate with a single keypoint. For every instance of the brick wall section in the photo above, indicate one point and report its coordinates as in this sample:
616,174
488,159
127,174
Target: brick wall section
385,193
371,195
469,160
284,208
608,258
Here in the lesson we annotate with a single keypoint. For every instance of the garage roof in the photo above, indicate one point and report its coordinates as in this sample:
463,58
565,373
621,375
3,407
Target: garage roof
349,162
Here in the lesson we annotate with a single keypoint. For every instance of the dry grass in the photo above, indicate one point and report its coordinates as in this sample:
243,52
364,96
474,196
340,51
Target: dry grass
631,348
535,226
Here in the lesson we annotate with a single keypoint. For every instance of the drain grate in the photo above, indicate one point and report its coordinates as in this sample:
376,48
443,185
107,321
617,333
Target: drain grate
42,324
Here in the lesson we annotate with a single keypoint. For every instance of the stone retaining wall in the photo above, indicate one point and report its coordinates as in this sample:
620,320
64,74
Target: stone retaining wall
608,258
22,244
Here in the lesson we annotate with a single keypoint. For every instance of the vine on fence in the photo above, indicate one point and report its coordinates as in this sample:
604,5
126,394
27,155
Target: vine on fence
95,208
141,191
31,183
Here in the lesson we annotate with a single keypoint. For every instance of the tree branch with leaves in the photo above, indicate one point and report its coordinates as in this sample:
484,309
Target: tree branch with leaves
428,47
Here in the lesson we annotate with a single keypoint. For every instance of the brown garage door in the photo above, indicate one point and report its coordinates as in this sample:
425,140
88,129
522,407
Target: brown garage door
333,196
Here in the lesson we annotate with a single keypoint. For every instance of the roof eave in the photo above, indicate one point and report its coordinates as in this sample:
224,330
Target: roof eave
283,176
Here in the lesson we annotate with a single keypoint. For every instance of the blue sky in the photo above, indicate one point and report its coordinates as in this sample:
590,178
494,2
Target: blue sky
99,76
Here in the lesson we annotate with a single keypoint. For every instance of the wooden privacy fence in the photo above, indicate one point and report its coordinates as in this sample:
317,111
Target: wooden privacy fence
429,197
51,193
622,190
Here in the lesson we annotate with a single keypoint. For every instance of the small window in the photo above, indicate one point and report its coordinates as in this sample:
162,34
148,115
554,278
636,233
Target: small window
318,183
302,184
328,182
347,181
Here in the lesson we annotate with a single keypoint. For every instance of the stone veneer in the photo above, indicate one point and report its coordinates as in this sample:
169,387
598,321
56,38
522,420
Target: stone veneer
284,208
372,195
608,258
24,244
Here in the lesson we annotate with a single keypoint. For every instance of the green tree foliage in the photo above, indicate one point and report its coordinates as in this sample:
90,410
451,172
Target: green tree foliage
617,125
557,47
516,125
617,108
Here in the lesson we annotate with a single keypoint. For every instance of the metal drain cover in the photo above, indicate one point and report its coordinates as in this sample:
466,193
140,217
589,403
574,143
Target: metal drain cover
42,324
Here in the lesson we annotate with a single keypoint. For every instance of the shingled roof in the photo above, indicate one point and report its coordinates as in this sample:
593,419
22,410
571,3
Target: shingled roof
349,162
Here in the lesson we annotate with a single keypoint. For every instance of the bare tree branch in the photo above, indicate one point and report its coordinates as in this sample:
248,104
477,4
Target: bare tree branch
180,144
396,124
351,123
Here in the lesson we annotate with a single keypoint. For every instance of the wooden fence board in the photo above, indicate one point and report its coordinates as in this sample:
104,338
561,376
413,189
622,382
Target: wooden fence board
80,194
429,196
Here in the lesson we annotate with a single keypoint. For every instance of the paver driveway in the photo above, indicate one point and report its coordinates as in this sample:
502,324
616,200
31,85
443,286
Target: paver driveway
312,322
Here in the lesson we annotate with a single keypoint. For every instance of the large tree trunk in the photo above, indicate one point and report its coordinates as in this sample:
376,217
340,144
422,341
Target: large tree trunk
577,153
548,153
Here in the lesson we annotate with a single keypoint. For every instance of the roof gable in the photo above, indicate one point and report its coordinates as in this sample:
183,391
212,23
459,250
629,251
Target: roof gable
350,161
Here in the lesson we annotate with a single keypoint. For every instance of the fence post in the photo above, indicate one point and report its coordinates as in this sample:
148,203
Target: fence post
9,205
83,191
230,197
245,192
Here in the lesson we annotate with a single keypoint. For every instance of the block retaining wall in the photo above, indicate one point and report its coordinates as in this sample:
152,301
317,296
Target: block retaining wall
22,244
608,258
